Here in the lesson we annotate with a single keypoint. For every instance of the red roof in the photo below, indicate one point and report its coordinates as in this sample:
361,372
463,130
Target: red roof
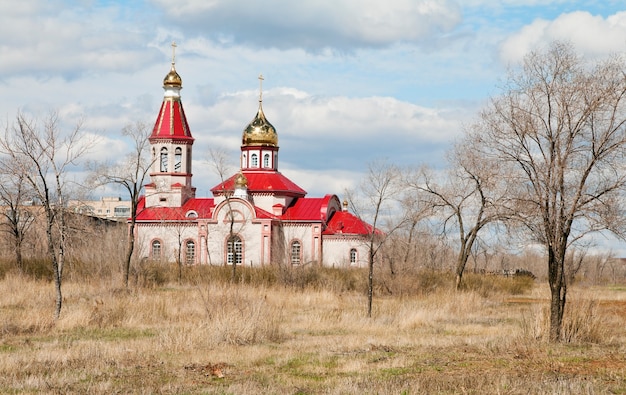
307,209
343,222
262,182
171,122
201,206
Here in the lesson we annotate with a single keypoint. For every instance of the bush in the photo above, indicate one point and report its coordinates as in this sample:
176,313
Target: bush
38,268
486,285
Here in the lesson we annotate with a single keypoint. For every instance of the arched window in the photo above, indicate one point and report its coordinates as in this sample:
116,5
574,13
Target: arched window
190,252
295,252
178,156
244,161
254,159
266,160
353,256
163,160
235,251
156,249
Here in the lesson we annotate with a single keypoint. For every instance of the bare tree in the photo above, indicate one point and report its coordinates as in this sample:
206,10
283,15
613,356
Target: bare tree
219,160
14,194
379,190
557,134
44,156
130,174
469,199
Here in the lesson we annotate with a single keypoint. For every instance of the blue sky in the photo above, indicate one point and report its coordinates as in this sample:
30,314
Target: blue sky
346,81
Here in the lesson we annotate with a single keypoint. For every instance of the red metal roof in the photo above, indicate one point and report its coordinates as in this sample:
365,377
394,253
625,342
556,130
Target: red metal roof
303,209
262,182
171,122
343,222
201,206
307,209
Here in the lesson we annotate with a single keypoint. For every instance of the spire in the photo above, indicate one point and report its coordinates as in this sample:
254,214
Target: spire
172,79
261,89
171,122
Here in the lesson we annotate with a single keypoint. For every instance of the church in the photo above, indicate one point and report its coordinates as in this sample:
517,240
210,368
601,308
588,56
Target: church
256,217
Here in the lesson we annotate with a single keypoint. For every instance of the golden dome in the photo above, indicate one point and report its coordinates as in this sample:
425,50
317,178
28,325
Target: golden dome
241,181
260,132
172,78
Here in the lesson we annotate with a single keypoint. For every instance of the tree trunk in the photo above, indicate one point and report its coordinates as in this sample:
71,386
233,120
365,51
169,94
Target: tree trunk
56,270
130,246
57,287
558,293
460,265
18,254
459,274
370,283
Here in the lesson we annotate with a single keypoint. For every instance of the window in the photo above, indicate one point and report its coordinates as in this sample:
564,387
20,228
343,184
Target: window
295,252
266,160
163,159
353,256
255,160
178,155
188,160
235,251
121,211
190,252
156,249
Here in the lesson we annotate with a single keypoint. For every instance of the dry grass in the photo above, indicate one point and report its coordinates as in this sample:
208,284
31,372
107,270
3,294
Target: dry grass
260,335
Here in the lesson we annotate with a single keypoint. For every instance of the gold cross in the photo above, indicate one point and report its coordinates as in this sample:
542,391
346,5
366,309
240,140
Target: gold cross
173,52
261,88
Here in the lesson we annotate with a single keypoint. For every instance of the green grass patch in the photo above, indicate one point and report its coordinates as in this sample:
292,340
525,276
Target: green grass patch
106,334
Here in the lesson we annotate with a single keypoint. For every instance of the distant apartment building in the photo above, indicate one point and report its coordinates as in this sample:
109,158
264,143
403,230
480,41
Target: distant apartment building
113,208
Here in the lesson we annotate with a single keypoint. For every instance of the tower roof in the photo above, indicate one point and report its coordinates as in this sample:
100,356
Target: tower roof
171,123
260,132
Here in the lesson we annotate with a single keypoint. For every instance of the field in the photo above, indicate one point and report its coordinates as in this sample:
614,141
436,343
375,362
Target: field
205,334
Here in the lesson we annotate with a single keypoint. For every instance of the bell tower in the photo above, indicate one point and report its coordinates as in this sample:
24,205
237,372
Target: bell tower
170,145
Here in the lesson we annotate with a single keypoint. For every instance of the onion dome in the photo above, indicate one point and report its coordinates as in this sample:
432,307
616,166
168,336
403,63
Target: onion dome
260,132
241,181
172,78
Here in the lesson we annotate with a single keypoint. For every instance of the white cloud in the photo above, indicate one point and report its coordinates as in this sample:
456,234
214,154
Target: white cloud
592,35
342,24
51,39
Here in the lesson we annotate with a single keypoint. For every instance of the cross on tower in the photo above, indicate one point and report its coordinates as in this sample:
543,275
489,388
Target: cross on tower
174,52
261,88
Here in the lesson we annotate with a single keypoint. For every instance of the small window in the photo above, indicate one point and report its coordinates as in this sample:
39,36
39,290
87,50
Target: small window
353,256
266,160
190,252
255,160
295,253
235,251
163,160
178,156
156,249
188,160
